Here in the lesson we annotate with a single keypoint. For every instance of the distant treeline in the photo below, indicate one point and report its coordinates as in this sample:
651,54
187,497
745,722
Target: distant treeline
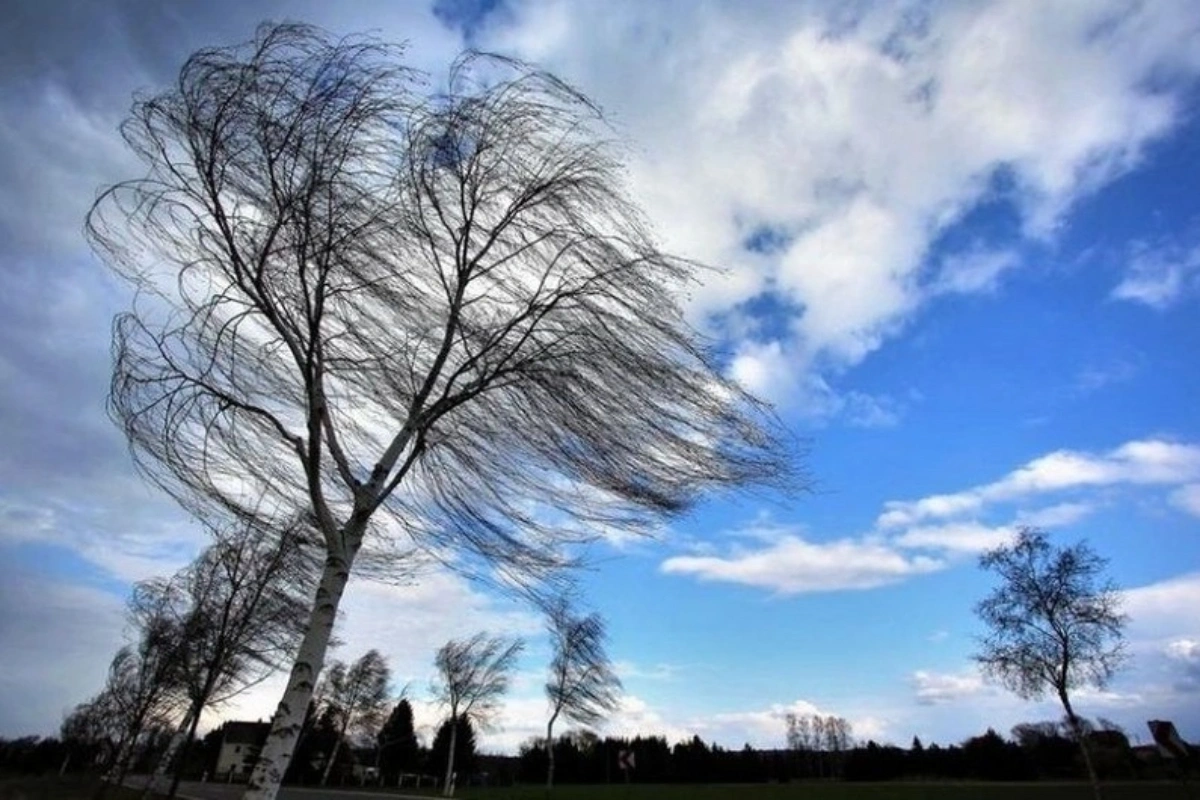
1034,751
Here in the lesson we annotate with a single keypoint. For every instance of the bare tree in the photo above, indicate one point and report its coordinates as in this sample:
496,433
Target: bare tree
240,609
816,735
473,675
1054,624
583,686
358,697
143,689
425,324
93,730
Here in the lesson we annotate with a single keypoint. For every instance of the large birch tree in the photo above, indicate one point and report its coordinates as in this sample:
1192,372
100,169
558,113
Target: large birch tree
425,323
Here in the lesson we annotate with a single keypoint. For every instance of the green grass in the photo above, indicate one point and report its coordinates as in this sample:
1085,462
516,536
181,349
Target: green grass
842,791
55,788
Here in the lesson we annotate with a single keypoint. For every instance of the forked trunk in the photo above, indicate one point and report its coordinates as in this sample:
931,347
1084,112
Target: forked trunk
1077,729
289,716
447,788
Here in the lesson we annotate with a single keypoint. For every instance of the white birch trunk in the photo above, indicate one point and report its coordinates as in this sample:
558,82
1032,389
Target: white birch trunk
550,751
329,762
446,787
155,784
289,716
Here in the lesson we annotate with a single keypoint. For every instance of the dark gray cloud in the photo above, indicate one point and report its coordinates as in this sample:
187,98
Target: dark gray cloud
55,644
71,507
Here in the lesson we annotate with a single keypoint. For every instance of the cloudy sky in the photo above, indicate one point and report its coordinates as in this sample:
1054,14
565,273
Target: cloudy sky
962,252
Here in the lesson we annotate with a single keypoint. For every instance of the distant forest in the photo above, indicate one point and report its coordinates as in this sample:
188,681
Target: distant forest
1033,751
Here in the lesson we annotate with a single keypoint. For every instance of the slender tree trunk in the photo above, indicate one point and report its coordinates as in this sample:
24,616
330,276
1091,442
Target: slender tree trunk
181,764
125,755
164,761
293,707
329,762
1077,729
446,790
550,751
108,768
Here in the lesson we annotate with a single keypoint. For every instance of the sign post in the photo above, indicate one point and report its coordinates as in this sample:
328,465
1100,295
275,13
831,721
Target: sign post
1168,740
626,762
1173,748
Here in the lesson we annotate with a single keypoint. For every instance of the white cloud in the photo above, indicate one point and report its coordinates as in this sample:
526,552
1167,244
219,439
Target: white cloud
763,369
407,624
627,670
1187,498
1186,650
974,271
1056,516
1098,376
792,565
768,727
936,688
956,537
119,526
942,528
861,143
1141,462
1159,276
1164,610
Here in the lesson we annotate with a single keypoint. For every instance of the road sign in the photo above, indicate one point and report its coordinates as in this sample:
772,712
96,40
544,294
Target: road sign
625,760
1167,739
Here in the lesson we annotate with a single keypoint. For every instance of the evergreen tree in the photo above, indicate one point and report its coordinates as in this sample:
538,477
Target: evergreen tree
399,750
464,747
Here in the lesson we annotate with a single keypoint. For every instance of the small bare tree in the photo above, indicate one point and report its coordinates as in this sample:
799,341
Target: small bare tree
424,324
473,675
143,689
583,686
1054,624
357,696
241,609
93,729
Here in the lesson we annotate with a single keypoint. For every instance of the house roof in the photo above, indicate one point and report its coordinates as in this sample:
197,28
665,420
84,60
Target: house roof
254,733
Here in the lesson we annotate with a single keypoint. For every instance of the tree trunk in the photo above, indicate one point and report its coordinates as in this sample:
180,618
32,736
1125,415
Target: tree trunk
1077,729
329,762
125,754
550,752
293,707
164,761
183,754
446,789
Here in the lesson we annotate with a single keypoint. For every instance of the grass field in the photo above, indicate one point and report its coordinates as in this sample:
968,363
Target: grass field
82,789
844,791
72,788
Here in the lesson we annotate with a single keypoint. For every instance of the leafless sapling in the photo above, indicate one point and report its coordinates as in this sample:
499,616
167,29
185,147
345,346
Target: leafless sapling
583,687
472,675
1054,624
357,696
241,609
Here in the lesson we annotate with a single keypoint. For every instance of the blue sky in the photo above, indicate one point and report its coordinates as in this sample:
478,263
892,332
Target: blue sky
962,252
